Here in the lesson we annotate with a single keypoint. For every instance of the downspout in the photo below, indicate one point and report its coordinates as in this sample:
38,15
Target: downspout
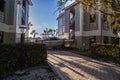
101,30
99,23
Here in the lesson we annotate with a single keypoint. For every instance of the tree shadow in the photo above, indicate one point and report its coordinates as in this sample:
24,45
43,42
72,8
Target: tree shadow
104,70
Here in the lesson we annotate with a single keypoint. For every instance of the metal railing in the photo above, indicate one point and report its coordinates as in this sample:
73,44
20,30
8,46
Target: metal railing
2,16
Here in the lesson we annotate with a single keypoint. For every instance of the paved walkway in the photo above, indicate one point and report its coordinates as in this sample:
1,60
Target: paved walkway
75,67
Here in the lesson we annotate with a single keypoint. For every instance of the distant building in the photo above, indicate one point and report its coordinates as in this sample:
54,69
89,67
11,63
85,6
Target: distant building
84,26
13,13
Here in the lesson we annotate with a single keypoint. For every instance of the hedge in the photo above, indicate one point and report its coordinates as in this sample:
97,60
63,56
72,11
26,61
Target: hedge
15,56
104,50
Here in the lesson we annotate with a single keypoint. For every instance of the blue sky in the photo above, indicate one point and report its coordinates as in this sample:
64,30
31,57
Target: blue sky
42,14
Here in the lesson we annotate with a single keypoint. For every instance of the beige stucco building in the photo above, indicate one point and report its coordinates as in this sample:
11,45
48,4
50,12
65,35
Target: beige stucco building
13,13
85,26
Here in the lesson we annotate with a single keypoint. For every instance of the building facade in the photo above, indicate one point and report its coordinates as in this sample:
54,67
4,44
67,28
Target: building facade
85,26
13,13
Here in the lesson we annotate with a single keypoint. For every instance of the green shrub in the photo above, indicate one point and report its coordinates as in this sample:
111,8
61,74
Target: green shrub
104,50
15,56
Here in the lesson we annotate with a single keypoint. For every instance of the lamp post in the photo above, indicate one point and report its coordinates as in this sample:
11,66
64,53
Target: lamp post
22,29
21,56
119,37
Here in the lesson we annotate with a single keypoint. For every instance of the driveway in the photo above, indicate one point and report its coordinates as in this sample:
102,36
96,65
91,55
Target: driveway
71,66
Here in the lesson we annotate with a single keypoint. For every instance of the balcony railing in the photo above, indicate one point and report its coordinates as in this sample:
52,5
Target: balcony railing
2,16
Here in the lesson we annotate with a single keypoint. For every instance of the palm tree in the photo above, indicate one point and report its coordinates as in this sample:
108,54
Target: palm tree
51,32
46,32
34,33
56,32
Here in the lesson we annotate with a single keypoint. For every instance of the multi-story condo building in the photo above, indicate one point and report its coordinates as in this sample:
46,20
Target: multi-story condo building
13,14
85,26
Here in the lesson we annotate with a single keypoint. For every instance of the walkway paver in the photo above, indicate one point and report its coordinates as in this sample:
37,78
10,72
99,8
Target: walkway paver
75,67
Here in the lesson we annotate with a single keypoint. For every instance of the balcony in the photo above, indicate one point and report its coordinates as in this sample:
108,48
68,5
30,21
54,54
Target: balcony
2,16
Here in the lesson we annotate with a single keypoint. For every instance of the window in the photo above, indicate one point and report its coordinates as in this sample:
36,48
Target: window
2,5
106,24
61,25
24,3
23,21
24,12
92,15
92,18
60,22
63,29
63,20
59,30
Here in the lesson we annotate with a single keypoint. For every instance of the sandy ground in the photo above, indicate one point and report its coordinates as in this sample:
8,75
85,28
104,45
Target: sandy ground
36,73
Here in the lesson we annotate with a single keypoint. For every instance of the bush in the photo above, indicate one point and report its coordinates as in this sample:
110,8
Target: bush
13,56
104,50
